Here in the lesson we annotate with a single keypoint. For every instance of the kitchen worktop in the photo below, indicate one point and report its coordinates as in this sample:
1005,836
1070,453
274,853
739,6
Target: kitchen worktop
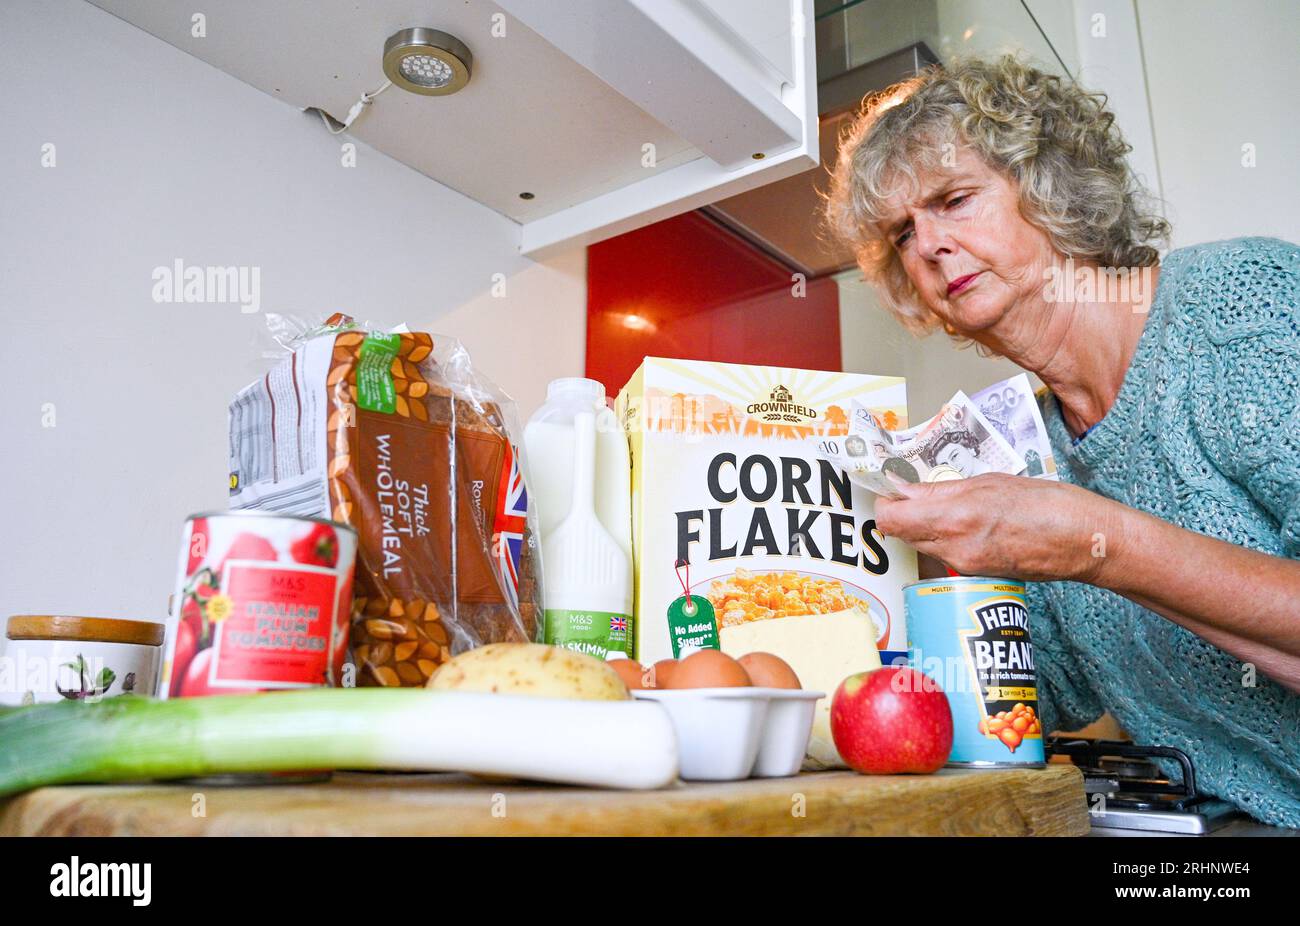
1002,802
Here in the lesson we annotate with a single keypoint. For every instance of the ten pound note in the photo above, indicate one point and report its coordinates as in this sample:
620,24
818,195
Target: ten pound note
999,431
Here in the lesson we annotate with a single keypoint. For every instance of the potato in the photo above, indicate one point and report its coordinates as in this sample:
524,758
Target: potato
531,669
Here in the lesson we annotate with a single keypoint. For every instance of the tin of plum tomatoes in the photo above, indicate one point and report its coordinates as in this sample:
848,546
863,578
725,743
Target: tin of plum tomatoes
971,635
262,602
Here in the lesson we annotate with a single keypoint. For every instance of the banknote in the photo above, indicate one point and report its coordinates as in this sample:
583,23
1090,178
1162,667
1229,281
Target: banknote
868,453
955,443
1012,408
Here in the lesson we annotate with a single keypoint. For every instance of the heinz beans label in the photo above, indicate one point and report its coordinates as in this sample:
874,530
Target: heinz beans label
971,635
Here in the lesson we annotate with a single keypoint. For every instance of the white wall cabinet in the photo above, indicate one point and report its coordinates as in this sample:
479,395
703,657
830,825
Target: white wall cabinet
583,119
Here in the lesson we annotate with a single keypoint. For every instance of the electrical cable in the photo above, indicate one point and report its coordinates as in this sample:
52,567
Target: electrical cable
357,109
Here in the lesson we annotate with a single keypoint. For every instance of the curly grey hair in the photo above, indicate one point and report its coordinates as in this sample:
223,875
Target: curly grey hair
1056,141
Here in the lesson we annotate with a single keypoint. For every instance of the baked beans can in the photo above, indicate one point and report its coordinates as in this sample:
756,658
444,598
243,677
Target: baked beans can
262,602
971,635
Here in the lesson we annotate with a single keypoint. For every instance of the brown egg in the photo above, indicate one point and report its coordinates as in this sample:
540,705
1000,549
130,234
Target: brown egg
768,671
661,672
707,668
630,671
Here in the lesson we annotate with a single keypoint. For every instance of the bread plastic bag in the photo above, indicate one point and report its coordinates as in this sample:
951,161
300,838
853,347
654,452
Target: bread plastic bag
399,436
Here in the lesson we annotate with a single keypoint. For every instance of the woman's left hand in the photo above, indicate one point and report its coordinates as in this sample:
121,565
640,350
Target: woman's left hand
1000,525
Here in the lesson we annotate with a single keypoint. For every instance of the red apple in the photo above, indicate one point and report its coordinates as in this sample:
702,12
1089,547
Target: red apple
891,720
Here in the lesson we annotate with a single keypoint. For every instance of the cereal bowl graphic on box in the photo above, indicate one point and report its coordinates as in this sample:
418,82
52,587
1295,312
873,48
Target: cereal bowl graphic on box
733,503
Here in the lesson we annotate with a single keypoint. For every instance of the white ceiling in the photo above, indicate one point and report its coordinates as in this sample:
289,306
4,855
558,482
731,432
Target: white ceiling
530,119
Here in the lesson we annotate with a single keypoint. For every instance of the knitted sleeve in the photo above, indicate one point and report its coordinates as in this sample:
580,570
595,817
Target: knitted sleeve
1065,699
1240,305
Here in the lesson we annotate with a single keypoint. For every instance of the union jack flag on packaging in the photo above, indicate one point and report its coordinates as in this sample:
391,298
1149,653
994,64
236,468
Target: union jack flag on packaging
511,519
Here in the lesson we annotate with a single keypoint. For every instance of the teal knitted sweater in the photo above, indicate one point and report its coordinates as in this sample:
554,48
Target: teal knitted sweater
1205,433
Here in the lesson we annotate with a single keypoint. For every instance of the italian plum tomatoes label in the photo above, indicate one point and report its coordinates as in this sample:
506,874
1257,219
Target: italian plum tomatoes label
278,630
695,624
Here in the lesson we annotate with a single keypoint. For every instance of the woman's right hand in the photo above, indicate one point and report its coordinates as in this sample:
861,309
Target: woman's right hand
1000,525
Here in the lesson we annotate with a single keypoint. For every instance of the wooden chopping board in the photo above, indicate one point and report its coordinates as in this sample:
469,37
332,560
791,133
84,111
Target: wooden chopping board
952,802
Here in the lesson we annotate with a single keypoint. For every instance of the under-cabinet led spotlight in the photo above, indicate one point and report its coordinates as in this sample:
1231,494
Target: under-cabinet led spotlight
427,61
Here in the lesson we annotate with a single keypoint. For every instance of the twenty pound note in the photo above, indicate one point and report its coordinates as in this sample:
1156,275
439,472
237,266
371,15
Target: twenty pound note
1011,407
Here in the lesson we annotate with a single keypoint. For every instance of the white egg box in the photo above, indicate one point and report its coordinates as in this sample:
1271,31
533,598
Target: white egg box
726,734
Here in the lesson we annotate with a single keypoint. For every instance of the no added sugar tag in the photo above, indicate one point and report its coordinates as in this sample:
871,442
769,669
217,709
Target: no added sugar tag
692,625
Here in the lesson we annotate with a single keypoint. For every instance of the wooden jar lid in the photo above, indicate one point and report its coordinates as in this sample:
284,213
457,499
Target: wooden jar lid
91,629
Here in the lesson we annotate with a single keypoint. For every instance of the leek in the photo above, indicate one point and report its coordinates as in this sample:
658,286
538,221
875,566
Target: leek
627,744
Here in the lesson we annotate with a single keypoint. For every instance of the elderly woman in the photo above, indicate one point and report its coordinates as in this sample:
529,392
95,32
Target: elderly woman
1164,582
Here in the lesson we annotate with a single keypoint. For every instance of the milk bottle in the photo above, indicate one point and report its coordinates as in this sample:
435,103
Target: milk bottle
579,477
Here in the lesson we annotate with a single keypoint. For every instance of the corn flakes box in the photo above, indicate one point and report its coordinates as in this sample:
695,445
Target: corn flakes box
746,538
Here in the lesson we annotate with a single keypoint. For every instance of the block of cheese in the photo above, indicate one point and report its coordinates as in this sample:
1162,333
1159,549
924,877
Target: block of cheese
823,650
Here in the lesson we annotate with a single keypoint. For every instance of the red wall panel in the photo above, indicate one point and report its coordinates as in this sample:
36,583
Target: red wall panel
687,287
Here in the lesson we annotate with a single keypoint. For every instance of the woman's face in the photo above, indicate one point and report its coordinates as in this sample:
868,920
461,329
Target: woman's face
965,246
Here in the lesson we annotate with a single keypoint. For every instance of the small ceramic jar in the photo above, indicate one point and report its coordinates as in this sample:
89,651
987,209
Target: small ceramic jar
50,658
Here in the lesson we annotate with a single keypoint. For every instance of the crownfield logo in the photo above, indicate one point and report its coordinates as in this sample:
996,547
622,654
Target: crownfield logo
781,406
